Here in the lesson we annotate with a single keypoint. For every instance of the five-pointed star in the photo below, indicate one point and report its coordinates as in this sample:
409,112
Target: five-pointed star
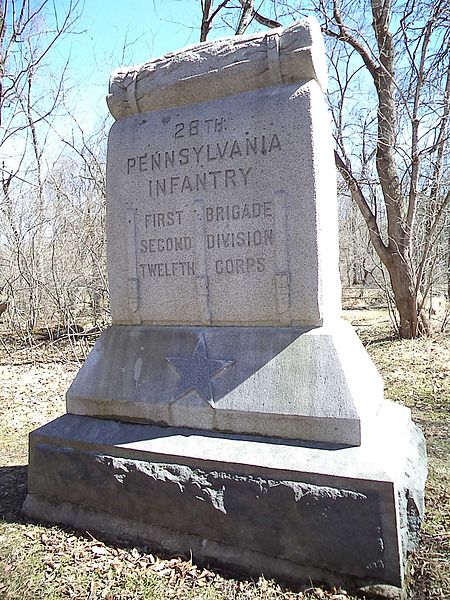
198,370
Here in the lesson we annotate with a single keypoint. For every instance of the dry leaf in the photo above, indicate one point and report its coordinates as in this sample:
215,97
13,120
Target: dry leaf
99,550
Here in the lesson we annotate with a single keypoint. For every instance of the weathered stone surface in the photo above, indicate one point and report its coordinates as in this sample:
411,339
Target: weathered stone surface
224,213
378,592
225,297
411,492
309,384
273,507
220,68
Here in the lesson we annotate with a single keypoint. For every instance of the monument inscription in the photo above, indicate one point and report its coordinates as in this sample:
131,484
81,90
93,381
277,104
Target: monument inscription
212,203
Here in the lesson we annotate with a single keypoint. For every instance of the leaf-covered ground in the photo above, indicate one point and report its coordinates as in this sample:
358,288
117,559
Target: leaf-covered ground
47,562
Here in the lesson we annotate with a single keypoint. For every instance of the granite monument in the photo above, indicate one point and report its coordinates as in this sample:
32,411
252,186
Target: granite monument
229,411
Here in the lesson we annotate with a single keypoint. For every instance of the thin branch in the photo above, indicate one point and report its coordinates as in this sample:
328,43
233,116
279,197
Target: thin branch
261,19
246,17
430,239
365,209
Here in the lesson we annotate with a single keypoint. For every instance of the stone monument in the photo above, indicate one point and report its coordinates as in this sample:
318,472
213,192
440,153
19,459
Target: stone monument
228,411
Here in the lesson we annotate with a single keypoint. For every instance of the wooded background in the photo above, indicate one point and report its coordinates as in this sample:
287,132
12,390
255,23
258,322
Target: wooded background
389,97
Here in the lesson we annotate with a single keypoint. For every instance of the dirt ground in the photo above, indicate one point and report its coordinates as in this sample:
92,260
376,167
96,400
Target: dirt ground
42,562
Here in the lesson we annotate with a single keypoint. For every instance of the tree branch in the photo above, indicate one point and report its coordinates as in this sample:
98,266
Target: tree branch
246,17
206,22
363,206
261,19
430,238
345,36
415,155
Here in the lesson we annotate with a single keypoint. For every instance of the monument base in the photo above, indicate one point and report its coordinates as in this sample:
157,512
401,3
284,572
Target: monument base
253,505
310,383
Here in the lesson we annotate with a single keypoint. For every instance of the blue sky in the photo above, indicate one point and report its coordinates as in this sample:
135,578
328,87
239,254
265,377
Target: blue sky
117,32
148,27
126,32
106,35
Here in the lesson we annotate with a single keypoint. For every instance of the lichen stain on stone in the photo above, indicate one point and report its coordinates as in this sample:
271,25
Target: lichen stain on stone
137,371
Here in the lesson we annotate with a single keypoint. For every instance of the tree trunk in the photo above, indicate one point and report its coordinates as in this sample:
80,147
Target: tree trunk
2,59
403,288
206,20
246,16
448,265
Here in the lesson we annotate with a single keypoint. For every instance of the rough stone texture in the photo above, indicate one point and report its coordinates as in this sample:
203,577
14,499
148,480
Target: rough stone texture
379,592
220,68
287,510
224,213
310,384
225,298
411,492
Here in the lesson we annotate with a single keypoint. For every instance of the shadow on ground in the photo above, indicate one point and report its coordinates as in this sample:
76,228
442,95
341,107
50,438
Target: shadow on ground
13,489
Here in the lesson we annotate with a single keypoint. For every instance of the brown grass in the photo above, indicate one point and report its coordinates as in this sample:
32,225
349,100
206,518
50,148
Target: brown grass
45,562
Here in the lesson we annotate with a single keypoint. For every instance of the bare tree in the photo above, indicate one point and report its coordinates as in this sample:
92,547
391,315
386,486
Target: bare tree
209,12
236,15
76,278
31,93
405,197
390,98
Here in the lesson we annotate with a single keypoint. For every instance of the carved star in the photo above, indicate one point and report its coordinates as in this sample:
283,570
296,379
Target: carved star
197,371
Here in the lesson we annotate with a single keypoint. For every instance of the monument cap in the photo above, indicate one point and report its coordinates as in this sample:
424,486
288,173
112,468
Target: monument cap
220,68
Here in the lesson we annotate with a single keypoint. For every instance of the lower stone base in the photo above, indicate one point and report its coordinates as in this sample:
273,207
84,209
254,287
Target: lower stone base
255,505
